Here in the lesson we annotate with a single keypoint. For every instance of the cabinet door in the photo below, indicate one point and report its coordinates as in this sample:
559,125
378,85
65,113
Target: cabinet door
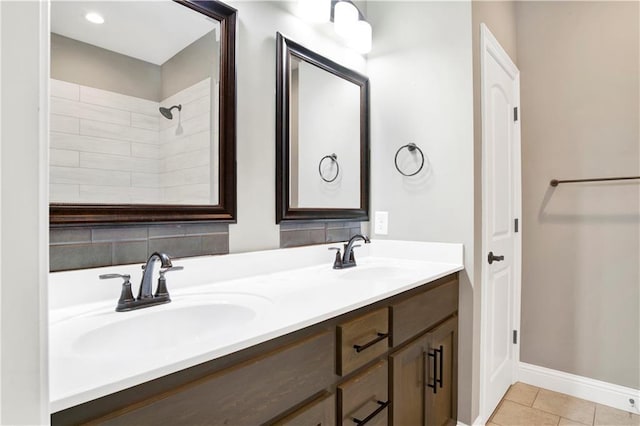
442,365
408,383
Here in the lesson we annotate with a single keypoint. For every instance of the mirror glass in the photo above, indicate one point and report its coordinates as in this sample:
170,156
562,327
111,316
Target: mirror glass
323,138
135,103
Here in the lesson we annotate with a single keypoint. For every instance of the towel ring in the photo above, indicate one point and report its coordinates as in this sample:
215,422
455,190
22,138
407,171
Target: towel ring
410,147
334,158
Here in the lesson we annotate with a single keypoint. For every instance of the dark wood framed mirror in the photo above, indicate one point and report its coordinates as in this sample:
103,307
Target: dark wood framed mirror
123,153
322,137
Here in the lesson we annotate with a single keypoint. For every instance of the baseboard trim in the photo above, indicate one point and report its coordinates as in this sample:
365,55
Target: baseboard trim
476,422
580,387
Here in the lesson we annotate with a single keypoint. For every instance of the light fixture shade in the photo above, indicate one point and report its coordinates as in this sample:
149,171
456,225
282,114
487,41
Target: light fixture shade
94,18
361,36
345,16
315,10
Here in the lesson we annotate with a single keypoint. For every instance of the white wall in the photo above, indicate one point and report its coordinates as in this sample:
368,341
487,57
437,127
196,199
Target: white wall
421,91
23,336
258,23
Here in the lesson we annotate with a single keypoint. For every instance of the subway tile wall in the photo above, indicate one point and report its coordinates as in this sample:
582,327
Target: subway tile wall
79,247
309,233
111,148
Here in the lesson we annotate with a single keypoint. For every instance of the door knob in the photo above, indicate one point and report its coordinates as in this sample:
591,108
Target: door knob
491,258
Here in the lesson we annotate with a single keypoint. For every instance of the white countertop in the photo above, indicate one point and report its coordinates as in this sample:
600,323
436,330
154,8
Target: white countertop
283,291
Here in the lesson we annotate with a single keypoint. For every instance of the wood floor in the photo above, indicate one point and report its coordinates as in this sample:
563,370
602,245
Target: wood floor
525,405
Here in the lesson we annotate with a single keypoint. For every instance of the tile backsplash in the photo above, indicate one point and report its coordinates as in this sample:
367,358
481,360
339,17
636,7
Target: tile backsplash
93,246
308,233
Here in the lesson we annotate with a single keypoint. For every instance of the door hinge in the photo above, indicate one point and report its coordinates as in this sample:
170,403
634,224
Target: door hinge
515,337
516,223
515,114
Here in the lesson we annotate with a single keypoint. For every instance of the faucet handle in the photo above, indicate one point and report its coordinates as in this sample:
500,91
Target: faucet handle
125,277
171,268
126,295
161,290
337,263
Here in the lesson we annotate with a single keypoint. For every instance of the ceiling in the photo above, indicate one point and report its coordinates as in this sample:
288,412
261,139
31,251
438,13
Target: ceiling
152,31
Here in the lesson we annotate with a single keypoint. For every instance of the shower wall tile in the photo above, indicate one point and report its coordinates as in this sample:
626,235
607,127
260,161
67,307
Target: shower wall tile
103,134
187,160
72,175
95,161
67,193
116,131
187,176
143,150
89,111
64,124
144,121
64,90
89,144
62,157
91,95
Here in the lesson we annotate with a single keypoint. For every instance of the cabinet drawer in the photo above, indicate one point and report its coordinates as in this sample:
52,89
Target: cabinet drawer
320,412
417,314
365,398
362,340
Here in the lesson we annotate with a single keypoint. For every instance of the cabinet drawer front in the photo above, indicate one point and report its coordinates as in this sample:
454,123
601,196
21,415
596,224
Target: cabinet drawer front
362,340
364,395
248,394
417,314
320,412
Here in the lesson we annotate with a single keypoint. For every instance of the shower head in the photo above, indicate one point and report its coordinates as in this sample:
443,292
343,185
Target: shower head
166,112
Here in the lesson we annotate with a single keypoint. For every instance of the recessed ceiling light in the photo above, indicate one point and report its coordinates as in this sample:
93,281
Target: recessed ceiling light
95,18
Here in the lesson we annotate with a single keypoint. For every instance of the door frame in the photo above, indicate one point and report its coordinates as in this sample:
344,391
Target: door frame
489,46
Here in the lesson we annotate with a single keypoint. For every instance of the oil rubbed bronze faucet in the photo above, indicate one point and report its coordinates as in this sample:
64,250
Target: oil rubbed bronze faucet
348,260
146,297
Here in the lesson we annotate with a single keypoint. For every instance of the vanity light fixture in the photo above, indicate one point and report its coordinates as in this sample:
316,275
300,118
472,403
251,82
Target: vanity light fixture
94,18
318,11
345,17
361,36
349,23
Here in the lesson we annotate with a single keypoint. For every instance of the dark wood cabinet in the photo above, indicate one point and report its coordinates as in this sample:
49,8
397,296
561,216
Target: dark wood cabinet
441,399
365,398
372,365
320,412
424,379
407,369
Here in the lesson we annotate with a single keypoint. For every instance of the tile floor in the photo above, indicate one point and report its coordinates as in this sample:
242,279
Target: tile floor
525,405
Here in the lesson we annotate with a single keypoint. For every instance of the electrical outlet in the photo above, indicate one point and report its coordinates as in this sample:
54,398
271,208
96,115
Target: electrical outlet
381,223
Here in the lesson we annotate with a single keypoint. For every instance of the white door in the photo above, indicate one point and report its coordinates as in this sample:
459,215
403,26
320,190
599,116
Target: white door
501,207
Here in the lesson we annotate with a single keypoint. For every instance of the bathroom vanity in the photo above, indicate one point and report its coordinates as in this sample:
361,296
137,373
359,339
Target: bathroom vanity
374,344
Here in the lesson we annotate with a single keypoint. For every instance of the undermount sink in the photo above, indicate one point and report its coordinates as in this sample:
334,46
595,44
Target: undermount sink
162,330
194,319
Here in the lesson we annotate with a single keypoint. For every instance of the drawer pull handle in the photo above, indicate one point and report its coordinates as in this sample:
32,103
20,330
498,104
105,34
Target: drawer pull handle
435,369
383,405
441,351
381,336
